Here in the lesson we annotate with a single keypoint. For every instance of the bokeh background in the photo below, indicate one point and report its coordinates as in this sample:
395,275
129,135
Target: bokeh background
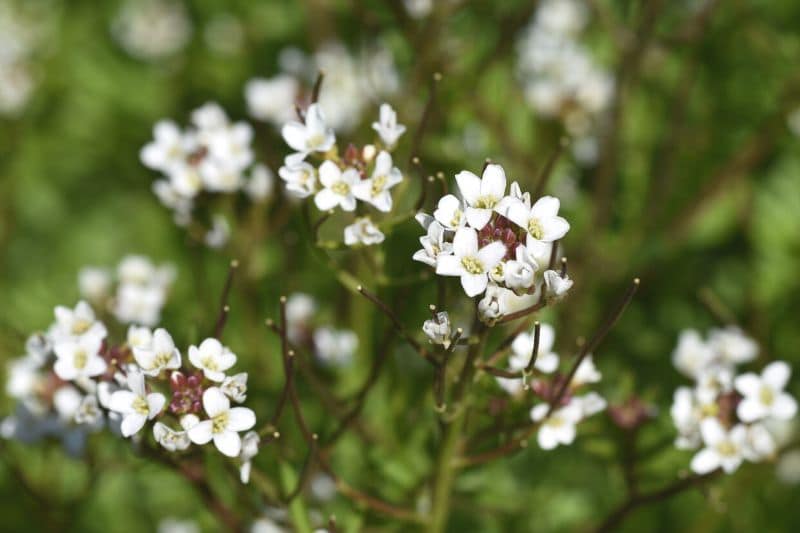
692,183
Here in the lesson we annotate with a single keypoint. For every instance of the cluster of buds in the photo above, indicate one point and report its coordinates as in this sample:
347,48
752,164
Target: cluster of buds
187,393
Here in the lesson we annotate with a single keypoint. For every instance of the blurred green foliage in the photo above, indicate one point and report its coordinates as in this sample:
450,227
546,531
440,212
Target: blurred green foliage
705,195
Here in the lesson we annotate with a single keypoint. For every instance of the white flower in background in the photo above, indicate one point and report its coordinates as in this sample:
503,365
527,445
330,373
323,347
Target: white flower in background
172,440
312,135
230,147
541,221
732,346
209,118
788,467
556,285
136,405
590,403
160,355
693,354
335,347
450,212
482,194
337,187
235,387
77,322
764,396
212,358
66,401
686,415
88,412
760,443
140,270
94,283
169,149
519,273
224,423
23,377
261,185
362,231
468,262
79,357
433,243
387,127
174,525
220,177
522,348
723,448
559,427
586,373
219,234
152,29
250,444
438,329
272,100
375,190
300,309
139,304
300,178
562,16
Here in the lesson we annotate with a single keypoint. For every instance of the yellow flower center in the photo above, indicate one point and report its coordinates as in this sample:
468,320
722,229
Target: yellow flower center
161,359
140,406
209,363
472,265
535,229
766,396
726,448
80,326
486,201
378,185
497,271
315,141
80,359
709,410
456,221
341,188
219,423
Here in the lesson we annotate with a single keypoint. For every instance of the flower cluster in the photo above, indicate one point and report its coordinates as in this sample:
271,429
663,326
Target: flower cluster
367,174
75,375
350,83
494,242
332,347
141,289
560,78
152,29
213,155
20,38
729,417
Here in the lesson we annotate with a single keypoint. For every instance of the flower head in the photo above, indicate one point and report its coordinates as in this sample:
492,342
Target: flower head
136,405
337,187
224,423
468,262
483,194
212,358
764,396
387,127
312,135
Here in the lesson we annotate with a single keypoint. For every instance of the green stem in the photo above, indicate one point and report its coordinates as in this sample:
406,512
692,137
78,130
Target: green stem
448,453
297,507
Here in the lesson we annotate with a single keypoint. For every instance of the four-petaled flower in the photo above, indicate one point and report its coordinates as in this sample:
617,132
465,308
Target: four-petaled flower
79,357
224,423
337,187
724,449
469,262
212,358
375,190
387,127
764,396
483,194
313,135
136,405
541,221
161,354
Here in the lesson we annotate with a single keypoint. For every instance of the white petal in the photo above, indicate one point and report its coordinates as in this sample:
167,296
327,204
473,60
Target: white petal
228,442
748,384
705,461
712,431
202,432
329,173
784,407
491,254
135,382
215,401
155,403
519,214
465,242
547,362
553,228
132,423
470,186
449,265
545,207
751,409
776,375
294,134
494,181
547,438
241,419
474,284
326,199
478,218
121,401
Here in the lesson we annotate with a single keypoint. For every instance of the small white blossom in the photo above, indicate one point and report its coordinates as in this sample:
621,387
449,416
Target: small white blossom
337,187
94,283
136,405
559,427
693,354
556,285
77,322
139,337
450,212
79,357
169,149
300,178
212,358
261,184
764,395
300,309
433,242
375,190
273,99
494,304
362,231
172,440
438,329
732,345
586,373
223,425
483,194
541,221
387,127
250,444
336,347
235,387
518,274
522,348
313,135
160,355
723,448
468,262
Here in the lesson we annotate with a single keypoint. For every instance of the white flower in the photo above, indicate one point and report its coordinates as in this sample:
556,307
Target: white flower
469,262
160,355
224,424
494,304
692,355
169,149
482,194
23,377
300,178
139,337
135,405
450,212
300,309
336,347
88,412
522,348
362,231
209,118
230,147
219,233
171,439
375,190
556,285
79,357
541,221
586,373
94,283
312,136
273,99
261,184
732,345
764,395
559,427
686,416
220,176
788,467
212,358
590,403
438,329
250,444
337,187
387,127
518,275
723,448
77,322
760,443
66,401
433,242
235,387
139,304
